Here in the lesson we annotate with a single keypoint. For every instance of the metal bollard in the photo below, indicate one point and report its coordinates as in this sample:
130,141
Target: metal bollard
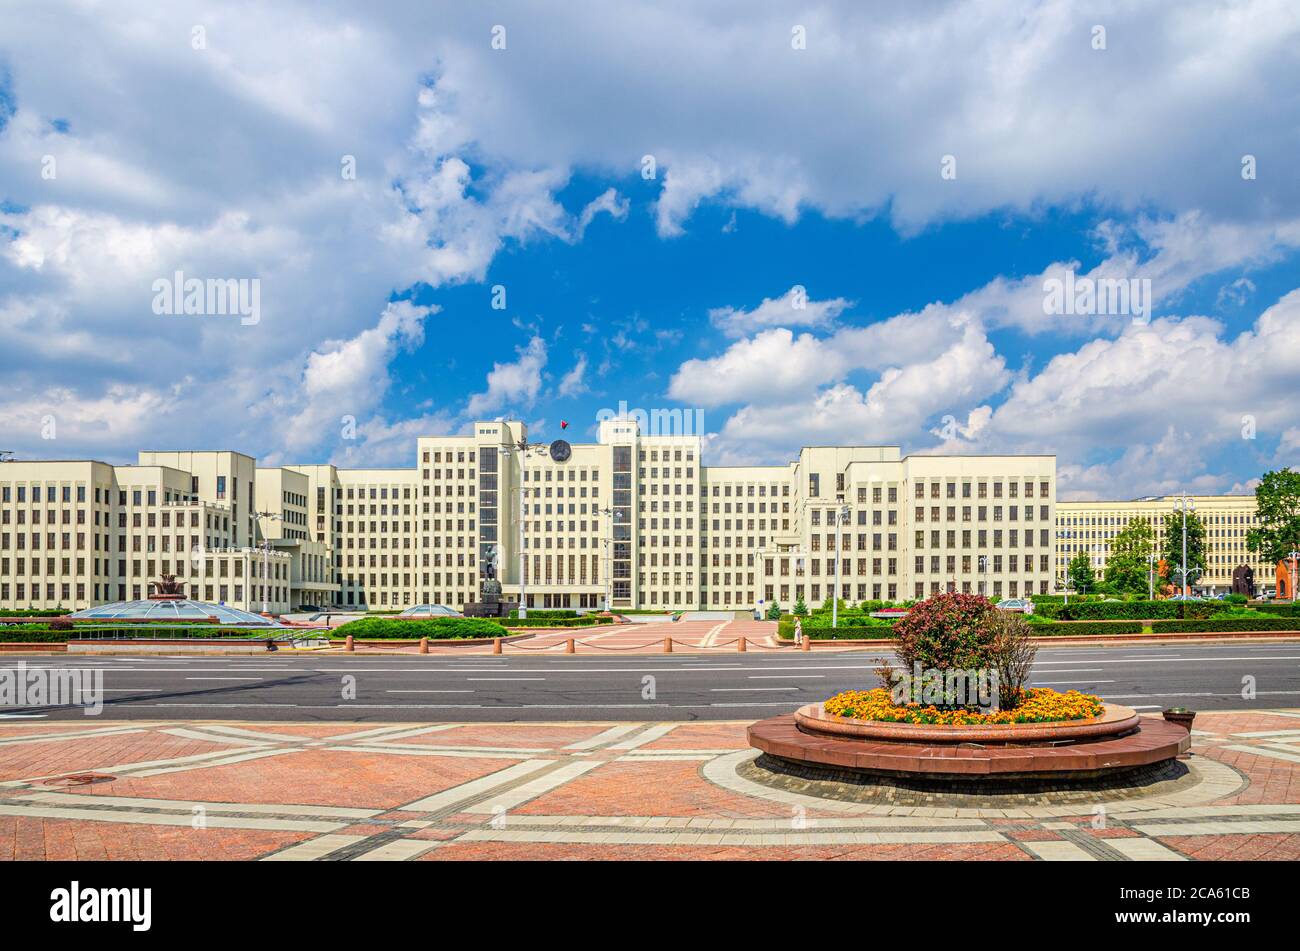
668,645
496,645
568,646
347,645
740,645
424,645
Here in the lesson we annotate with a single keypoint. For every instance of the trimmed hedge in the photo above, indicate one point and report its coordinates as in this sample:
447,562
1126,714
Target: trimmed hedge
530,621
879,630
34,612
1224,625
1085,628
1285,610
1127,610
546,612
439,628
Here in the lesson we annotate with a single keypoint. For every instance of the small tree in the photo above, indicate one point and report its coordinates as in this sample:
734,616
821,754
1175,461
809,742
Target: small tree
1012,656
1130,557
1079,573
1277,511
800,608
774,611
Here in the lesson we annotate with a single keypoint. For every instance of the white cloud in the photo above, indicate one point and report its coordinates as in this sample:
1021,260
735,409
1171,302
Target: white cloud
574,383
512,385
791,309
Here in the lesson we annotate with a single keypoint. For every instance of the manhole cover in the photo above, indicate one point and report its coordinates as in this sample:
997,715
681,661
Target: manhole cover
79,779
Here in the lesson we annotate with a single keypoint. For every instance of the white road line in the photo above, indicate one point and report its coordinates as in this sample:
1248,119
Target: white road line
747,689
428,691
1066,683
504,679
225,678
787,677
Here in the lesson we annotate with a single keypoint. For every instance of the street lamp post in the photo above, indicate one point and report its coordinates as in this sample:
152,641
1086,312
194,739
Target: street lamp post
1151,576
1184,504
608,540
266,555
843,516
984,570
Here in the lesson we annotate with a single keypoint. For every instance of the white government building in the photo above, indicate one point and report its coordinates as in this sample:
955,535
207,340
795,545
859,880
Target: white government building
636,518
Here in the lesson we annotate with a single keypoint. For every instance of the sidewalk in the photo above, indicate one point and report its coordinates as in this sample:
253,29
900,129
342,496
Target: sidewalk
230,790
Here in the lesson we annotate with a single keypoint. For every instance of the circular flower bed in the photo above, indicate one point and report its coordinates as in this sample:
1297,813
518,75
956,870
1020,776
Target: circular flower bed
1038,705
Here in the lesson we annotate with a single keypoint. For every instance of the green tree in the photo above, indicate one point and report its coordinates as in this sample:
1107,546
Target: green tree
800,609
774,611
1079,574
1172,552
1277,514
1130,557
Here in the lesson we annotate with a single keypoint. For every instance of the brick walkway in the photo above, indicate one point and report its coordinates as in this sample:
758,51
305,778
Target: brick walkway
688,637
229,790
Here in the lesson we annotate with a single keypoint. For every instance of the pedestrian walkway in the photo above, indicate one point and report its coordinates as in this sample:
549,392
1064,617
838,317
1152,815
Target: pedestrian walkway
633,790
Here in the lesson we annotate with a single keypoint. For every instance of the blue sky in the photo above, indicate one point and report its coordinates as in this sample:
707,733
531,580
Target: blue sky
211,139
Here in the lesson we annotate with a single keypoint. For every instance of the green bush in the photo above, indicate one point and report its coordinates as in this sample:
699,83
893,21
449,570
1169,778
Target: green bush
1215,625
439,628
1084,628
530,621
546,612
1126,610
1235,598
1286,610
876,630
34,612
774,611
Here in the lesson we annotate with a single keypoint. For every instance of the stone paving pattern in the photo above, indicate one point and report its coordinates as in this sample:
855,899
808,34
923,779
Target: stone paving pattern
204,790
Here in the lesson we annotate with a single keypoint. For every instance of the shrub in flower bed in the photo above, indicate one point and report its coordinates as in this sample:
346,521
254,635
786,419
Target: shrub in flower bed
34,612
1215,625
947,631
439,628
1038,705
30,632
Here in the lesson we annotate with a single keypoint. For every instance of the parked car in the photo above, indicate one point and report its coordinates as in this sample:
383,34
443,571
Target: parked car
1185,597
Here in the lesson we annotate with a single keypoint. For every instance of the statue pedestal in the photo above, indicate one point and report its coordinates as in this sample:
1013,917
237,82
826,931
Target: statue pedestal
491,605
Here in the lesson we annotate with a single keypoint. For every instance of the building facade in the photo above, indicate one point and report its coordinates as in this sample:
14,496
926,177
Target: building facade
1092,526
634,518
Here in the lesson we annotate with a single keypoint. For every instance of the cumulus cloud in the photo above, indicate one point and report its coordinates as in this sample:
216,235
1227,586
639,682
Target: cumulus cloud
512,385
791,309
574,382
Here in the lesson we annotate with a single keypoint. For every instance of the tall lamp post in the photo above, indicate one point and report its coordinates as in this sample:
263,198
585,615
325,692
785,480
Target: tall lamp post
523,447
842,517
1184,505
607,541
266,554
984,570
1295,571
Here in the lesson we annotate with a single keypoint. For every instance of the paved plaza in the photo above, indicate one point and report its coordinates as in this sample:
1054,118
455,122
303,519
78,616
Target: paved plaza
608,790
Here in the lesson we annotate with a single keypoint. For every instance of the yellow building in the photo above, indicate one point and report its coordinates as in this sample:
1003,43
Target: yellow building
634,518
1092,526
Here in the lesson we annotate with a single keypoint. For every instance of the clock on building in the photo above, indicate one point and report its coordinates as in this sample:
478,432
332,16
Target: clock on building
561,451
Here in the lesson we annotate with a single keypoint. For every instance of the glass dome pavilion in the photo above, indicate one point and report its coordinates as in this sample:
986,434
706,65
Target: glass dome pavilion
180,609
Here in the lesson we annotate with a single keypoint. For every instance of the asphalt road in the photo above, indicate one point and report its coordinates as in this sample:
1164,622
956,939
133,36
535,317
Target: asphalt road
628,687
